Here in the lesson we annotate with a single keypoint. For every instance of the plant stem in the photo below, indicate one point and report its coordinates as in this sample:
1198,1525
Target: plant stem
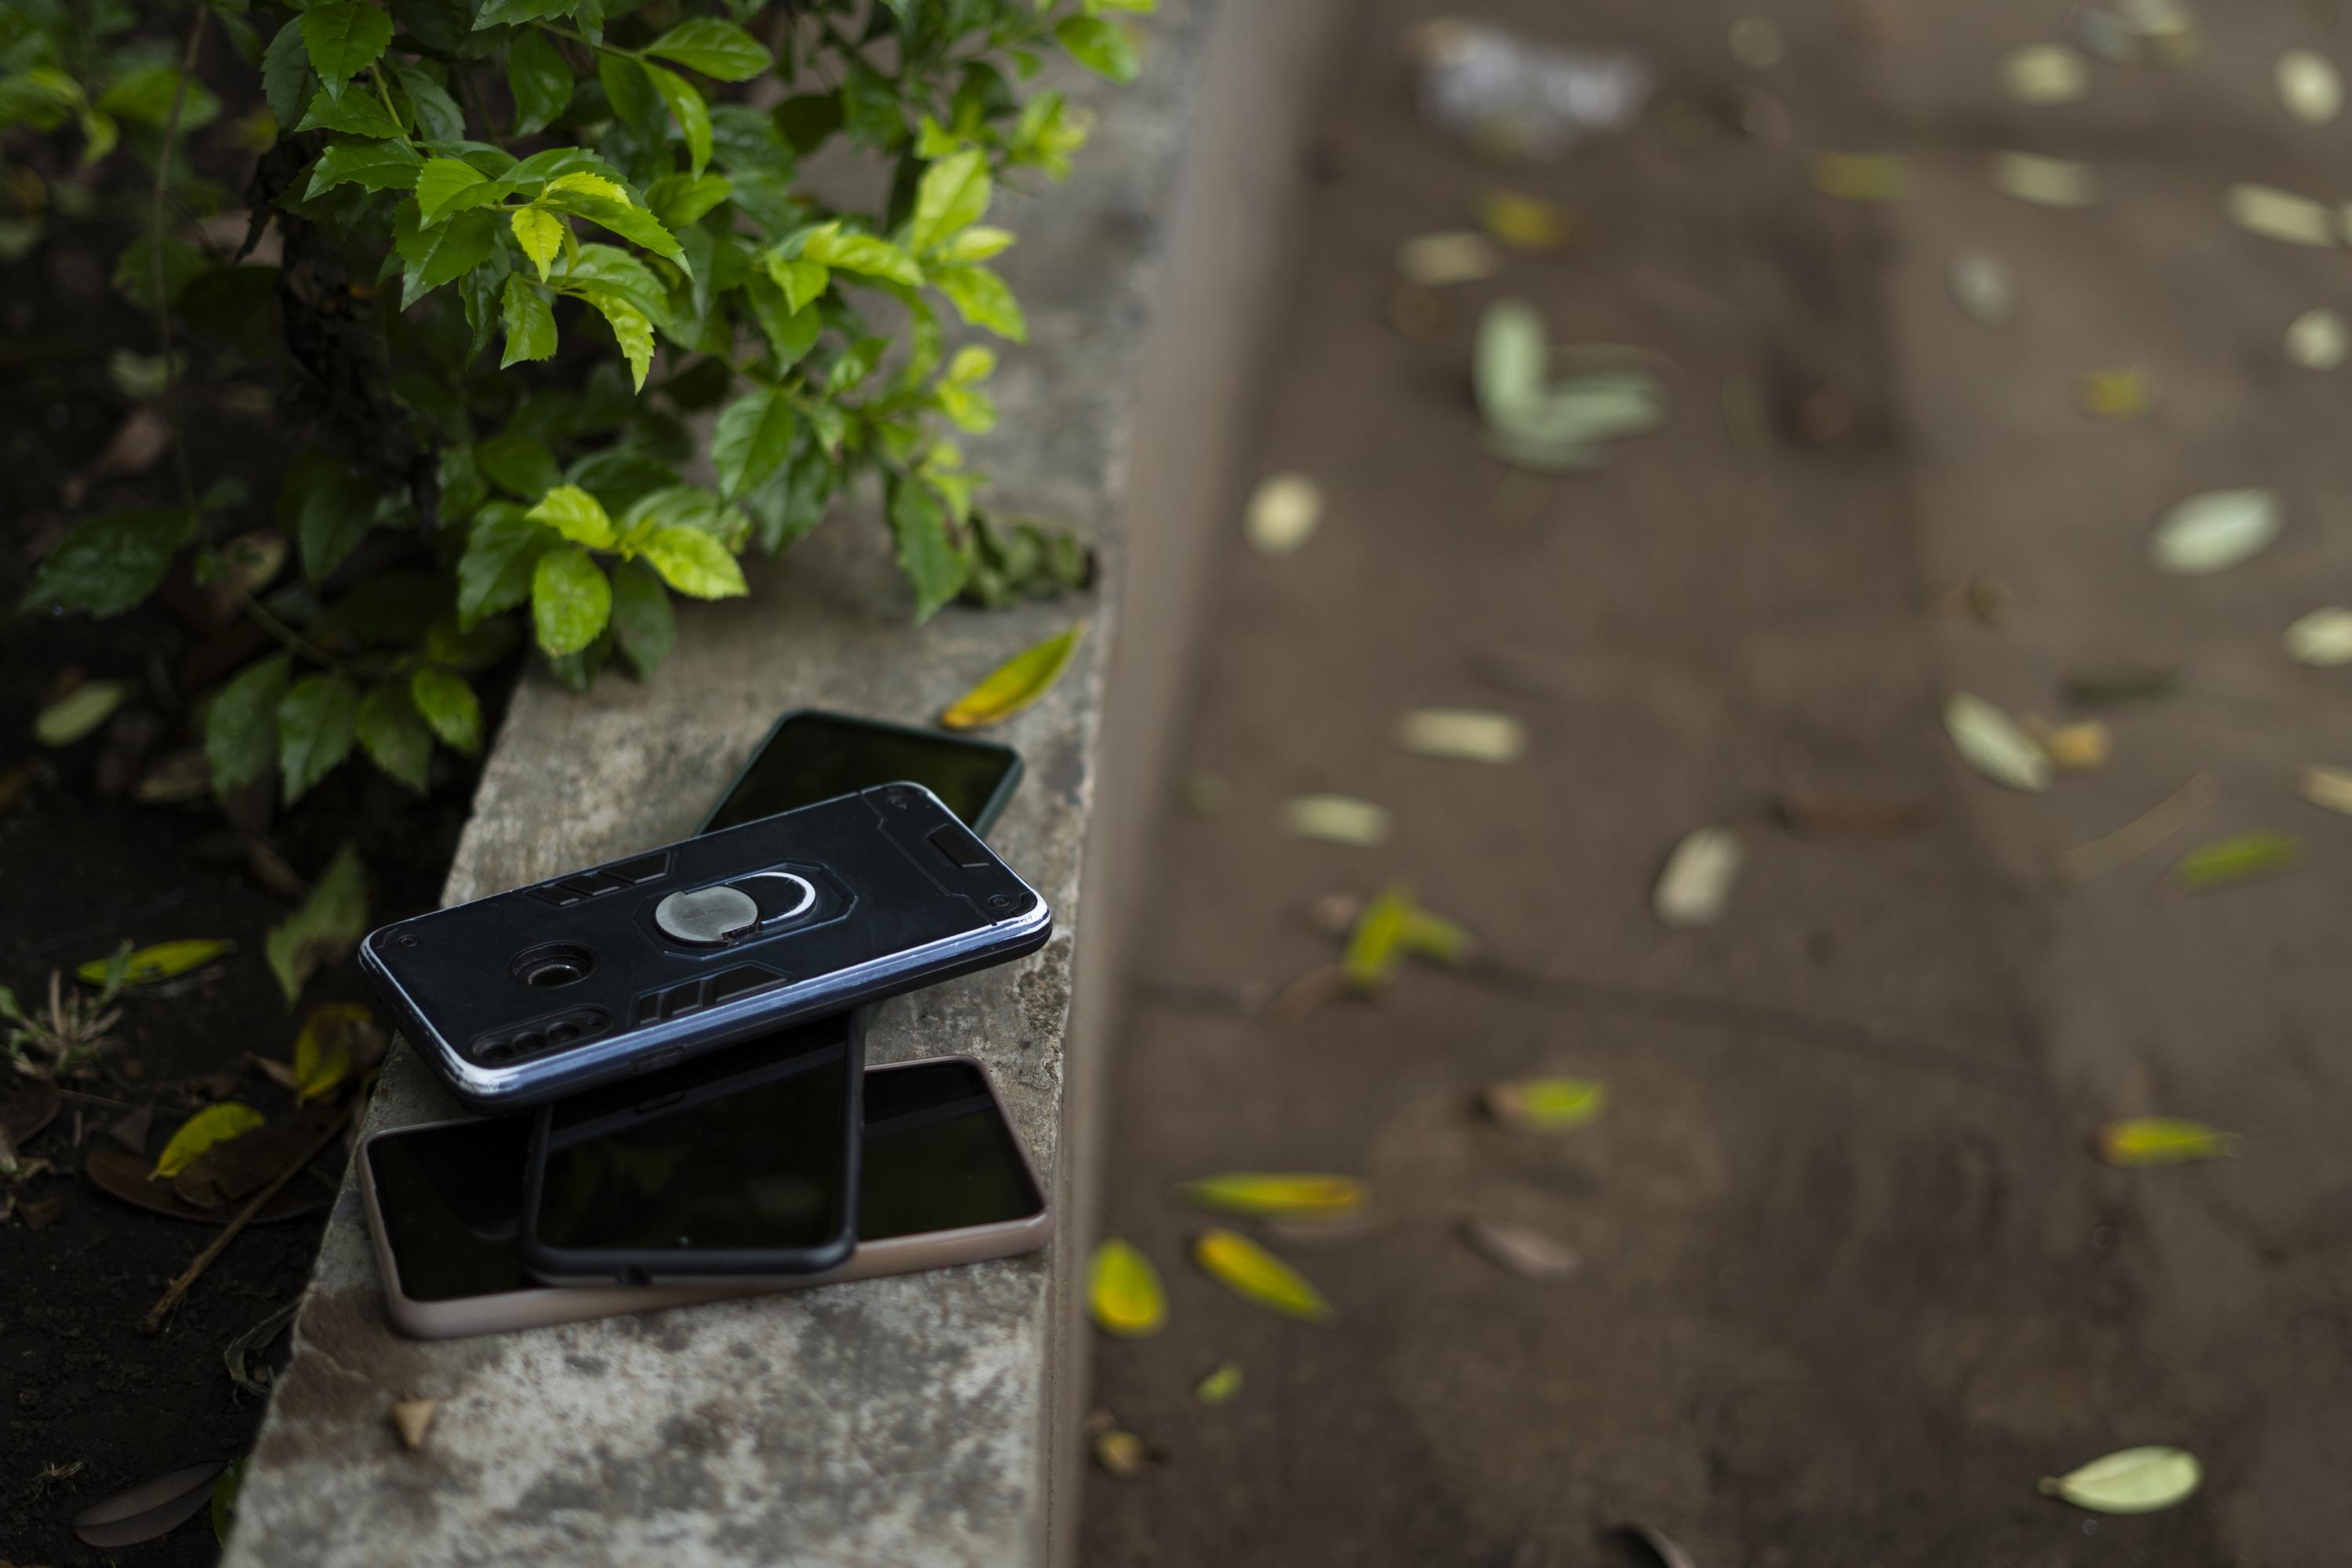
179,1288
156,260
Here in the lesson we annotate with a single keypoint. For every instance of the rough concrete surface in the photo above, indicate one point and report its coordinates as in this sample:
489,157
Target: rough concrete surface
900,1421
1852,1279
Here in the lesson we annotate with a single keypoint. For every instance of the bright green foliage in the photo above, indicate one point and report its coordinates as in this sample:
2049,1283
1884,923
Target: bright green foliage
578,232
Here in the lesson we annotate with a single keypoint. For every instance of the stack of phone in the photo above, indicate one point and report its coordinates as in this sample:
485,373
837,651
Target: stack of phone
669,1052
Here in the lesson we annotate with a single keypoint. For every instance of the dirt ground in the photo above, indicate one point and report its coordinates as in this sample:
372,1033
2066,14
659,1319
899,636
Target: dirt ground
1852,1279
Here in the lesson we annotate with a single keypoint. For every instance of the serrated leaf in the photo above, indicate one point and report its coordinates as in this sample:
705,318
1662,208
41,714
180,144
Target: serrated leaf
753,441
1256,1192
633,223
164,961
540,234
716,49
1337,819
575,514
241,725
926,556
570,600
1253,1273
802,280
2163,1141
317,723
2130,1480
395,735
286,80
442,181
2234,860
693,563
107,564
2213,531
448,705
1990,741
354,114
343,39
631,331
214,1124
1123,1290
79,712
530,321
2280,215
1016,683
1546,1104
501,550
1695,887
323,1053
376,165
861,253
436,255
326,928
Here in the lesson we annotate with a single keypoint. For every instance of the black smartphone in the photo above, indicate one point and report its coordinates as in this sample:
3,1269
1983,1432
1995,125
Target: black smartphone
946,1182
810,754
548,990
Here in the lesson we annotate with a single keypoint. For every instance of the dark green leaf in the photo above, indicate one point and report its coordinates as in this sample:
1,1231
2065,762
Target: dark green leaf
870,107
569,600
395,735
716,48
789,334
539,79
316,723
530,321
343,39
326,928
286,80
519,465
690,109
1101,46
613,271
431,109
354,114
629,90
378,165
440,253
326,507
926,554
502,552
645,624
449,705
679,200
241,725
143,97
619,475
106,564
388,609
807,119
752,439
498,13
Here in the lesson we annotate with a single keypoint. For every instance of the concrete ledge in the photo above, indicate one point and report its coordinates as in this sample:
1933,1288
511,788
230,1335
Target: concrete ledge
906,1421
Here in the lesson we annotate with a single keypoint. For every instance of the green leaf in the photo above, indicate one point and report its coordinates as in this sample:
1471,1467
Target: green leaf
679,200
690,109
530,321
864,253
789,334
518,464
870,106
981,298
106,564
575,514
315,725
978,243
440,253
645,624
716,48
926,554
631,329
326,507
506,12
631,222
1103,48
1253,1273
344,39
953,195
354,114
165,960
441,182
502,552
539,80
752,439
613,271
212,1124
448,705
2235,858
427,105
377,165
1016,683
1219,1385
569,600
694,563
541,235
632,94
322,1051
326,928
79,712
241,725
800,281
1546,1104
2130,1480
395,735
1123,1290
286,80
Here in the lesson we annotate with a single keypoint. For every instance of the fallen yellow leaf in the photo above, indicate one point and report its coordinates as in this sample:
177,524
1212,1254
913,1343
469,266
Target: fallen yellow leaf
1526,223
1124,1290
214,1124
323,1055
1253,1273
1546,1104
1015,684
1260,1193
2163,1141
1861,176
147,966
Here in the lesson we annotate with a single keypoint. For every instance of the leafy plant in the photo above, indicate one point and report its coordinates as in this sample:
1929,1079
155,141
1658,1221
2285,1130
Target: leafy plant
66,1039
528,251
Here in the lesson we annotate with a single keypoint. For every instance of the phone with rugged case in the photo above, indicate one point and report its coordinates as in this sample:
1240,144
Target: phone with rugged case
812,755
637,965
946,1182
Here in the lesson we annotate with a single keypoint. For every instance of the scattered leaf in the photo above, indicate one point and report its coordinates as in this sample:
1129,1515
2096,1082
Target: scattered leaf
1546,1104
1454,256
2323,638
1813,811
1220,1386
1260,1193
79,712
1392,926
2279,214
2142,833
2164,1141
2078,747
214,1124
161,962
2234,860
412,1418
1121,1454
2044,73
2309,86
2325,786
1517,1249
1016,683
1252,1272
1123,1289
1992,743
149,1510
2124,394
323,1053
1524,222
2213,531
126,1176
2131,1480
2317,340
2046,182
1756,43
2119,688
1983,286
1337,819
1696,886
328,926
1465,734
1861,176
224,1501
1283,513
1322,1230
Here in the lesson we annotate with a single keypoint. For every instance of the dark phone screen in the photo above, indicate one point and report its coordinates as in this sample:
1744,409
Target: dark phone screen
812,757
938,1153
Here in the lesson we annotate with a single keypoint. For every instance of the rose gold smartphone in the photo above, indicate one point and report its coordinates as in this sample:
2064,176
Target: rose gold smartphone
946,1182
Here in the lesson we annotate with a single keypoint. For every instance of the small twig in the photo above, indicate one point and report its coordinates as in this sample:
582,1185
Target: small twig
179,1288
102,1100
156,260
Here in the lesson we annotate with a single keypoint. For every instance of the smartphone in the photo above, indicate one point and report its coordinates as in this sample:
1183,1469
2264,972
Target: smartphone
812,755
635,965
945,1181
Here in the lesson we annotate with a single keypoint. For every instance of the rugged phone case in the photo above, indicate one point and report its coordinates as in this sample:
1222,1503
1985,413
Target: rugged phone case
634,965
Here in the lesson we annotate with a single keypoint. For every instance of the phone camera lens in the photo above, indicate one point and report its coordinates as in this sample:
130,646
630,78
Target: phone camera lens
563,1034
552,963
530,1040
1000,901
495,1051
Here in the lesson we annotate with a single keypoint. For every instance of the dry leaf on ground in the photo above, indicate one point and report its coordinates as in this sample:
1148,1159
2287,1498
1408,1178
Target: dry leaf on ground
1983,286
1992,743
1337,819
79,712
2325,786
2235,859
2078,747
1283,513
1277,1193
1861,176
2308,86
2123,394
2163,1141
2119,688
330,924
2144,832
2280,215
2130,1480
164,961
2044,73
1121,1454
1252,1272
2317,340
412,1418
214,1124
1452,256
1815,811
1544,1104
1524,222
2323,638
149,1510
1123,1289
2045,182
1660,1545
1462,734
1519,1249
2213,531
1695,888
1016,683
